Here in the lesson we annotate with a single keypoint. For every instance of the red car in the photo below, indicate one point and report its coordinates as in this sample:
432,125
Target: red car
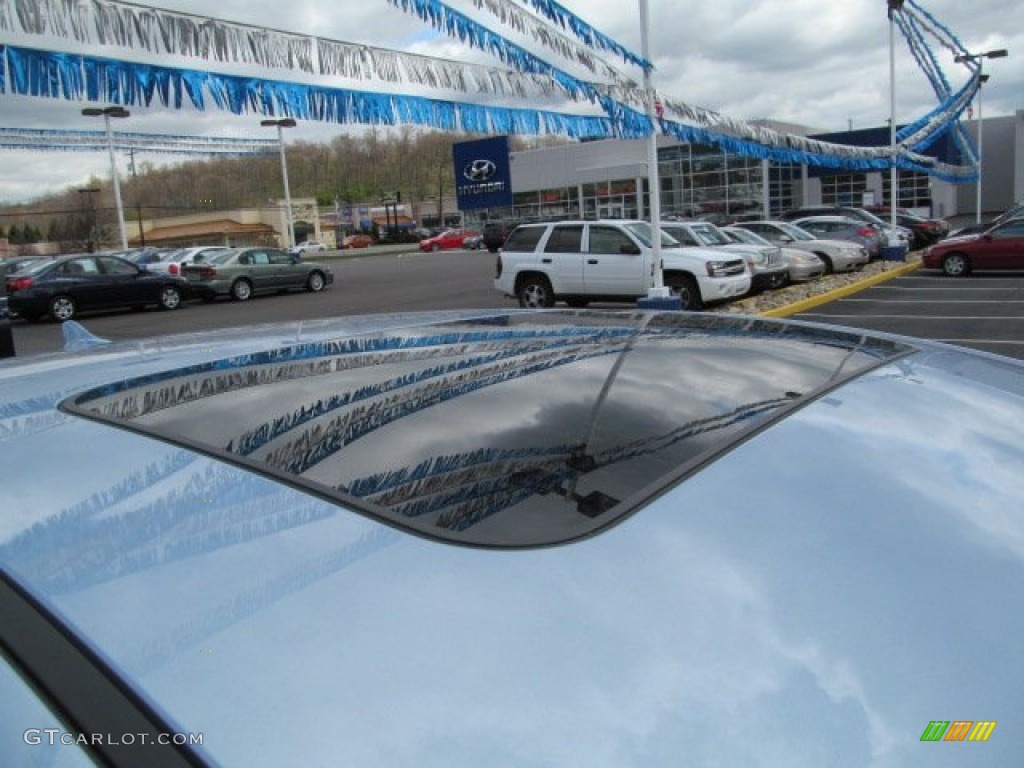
447,240
357,241
1001,247
925,231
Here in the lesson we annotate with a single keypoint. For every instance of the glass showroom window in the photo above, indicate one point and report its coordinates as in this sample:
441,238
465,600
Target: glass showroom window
611,200
783,179
844,189
526,206
914,190
559,203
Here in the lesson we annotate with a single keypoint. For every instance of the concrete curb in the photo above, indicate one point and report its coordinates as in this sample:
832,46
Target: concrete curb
815,301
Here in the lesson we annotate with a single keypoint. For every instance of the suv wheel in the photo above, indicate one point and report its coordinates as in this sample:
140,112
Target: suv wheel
685,287
535,293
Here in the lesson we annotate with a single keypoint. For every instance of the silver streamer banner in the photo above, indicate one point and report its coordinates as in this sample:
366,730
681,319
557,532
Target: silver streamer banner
511,15
360,62
121,24
86,141
154,30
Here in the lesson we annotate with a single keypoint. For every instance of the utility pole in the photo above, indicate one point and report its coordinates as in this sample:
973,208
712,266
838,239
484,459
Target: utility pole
138,205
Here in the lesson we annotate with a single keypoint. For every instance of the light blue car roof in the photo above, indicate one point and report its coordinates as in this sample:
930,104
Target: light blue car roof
837,579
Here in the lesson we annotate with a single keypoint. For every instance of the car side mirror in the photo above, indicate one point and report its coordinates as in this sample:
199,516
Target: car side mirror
785,239
629,248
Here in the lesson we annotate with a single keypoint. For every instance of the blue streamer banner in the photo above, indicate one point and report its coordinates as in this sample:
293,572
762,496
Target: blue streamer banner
586,33
75,77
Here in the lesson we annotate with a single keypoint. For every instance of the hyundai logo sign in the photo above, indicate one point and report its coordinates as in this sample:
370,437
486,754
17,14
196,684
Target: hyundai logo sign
480,171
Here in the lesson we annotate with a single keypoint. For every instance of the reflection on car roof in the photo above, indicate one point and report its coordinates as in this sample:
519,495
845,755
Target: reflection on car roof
528,429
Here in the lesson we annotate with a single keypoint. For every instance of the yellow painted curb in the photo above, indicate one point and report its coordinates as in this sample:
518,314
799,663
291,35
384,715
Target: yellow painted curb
838,293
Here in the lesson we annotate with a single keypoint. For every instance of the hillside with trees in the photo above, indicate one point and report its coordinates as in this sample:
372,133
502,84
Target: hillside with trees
350,169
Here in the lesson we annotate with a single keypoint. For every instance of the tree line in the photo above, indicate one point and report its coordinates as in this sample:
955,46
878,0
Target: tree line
350,169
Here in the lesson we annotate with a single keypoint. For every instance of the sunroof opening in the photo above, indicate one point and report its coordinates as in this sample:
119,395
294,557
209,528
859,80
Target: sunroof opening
525,429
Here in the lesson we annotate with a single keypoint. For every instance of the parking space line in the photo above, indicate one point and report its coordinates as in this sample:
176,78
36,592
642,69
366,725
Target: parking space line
1007,342
913,317
933,301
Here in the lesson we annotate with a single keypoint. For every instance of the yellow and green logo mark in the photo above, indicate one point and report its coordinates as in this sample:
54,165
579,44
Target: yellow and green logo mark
958,730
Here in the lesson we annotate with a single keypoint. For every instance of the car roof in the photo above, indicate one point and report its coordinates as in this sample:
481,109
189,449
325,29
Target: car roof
820,569
322,384
833,219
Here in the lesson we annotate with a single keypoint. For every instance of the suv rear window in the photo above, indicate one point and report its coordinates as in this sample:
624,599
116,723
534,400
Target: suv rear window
524,239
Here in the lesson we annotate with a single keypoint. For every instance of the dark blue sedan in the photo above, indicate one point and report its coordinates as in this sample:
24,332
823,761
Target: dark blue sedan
65,286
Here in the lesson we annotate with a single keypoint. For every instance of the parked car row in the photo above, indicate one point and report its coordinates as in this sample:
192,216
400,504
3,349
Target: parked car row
583,261
62,287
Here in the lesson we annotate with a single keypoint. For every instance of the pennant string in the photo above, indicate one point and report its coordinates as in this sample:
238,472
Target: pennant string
121,24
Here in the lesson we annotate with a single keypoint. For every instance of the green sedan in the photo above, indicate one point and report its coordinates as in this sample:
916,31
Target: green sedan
242,272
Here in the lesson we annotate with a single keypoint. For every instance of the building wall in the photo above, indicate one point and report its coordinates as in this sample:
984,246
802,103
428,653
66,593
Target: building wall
582,163
1018,143
590,162
1001,150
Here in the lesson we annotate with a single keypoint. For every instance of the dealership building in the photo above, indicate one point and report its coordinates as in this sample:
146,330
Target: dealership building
608,178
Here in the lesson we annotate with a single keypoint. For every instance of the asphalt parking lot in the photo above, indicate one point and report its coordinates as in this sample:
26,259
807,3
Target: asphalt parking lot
983,311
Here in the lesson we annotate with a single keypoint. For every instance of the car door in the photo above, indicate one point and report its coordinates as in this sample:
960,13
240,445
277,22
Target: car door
1001,247
562,257
261,272
614,263
83,280
289,272
125,283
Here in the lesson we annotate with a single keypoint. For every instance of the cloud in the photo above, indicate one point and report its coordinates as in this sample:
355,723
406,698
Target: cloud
824,65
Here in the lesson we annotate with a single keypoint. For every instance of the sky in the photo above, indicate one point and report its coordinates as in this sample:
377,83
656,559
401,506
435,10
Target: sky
820,64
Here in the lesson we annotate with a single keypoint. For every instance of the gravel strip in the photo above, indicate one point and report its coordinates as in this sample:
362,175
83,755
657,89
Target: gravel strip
780,297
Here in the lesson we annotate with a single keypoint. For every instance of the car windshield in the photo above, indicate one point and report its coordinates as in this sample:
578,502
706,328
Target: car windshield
641,230
870,217
709,234
795,232
746,236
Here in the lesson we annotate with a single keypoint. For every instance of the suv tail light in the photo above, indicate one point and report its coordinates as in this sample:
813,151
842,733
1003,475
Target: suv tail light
173,269
19,284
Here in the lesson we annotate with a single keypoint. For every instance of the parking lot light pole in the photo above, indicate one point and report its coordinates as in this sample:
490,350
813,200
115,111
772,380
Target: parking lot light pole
979,58
894,5
107,113
285,122
657,289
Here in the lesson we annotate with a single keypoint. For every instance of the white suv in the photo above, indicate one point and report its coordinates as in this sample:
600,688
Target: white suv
583,261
